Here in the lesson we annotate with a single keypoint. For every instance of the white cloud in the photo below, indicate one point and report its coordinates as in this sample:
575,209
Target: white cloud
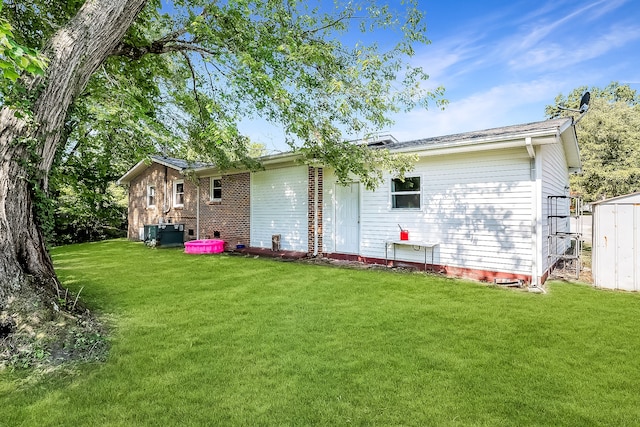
544,22
504,67
555,55
450,58
498,106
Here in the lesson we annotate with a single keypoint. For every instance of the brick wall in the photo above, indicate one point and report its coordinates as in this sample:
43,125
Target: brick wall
314,213
139,211
320,209
231,215
311,205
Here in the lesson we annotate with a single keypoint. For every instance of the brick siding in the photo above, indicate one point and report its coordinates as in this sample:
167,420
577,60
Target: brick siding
139,211
314,215
311,208
320,209
231,215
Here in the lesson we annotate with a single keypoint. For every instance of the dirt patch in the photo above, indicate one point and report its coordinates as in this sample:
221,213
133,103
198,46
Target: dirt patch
358,264
566,269
45,335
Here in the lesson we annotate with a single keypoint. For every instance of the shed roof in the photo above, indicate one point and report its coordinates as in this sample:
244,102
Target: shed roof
627,199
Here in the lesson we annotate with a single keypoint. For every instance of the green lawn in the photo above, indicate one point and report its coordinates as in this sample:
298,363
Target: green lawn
228,340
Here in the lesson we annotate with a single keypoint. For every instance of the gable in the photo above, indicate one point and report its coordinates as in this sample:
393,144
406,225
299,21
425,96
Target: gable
179,165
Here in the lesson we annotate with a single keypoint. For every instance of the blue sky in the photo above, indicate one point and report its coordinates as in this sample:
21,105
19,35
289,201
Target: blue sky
501,62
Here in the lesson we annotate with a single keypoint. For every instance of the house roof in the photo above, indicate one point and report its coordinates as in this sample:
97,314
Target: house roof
522,135
178,164
492,134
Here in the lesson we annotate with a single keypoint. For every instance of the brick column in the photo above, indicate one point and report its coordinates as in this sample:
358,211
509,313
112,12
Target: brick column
311,211
320,208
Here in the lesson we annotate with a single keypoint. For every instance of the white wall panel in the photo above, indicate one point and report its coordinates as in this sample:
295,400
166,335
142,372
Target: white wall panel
477,205
555,182
279,205
616,240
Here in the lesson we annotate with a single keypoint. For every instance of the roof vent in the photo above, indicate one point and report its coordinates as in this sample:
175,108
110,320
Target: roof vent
380,140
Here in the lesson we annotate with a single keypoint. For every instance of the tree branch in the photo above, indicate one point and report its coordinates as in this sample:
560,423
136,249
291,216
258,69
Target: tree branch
159,47
195,88
329,25
137,52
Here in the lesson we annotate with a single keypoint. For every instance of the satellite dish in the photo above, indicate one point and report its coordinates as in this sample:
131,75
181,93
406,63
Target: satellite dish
584,102
584,106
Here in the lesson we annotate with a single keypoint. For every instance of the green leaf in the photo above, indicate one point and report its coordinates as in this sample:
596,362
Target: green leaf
10,74
5,64
34,69
17,51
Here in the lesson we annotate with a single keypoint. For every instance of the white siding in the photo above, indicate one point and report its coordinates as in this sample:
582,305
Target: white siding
279,200
477,205
329,212
555,182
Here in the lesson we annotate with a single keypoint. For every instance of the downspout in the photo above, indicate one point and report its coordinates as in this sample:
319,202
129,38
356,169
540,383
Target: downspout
536,212
165,206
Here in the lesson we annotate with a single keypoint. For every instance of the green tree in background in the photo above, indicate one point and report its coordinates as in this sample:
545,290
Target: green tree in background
126,77
121,117
16,59
609,138
179,84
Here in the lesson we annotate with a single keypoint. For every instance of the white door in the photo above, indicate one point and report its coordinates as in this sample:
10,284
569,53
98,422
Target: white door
348,218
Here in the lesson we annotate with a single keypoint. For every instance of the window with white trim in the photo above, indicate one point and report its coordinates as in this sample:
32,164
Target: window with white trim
178,194
151,196
406,194
215,189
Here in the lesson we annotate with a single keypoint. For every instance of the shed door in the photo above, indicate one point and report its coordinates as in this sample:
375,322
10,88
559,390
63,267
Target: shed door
625,235
348,218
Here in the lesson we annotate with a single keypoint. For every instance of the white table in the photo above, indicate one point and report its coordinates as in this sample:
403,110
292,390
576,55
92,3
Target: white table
415,243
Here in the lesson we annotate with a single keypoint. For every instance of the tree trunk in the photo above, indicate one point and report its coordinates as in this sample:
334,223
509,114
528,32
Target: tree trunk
75,52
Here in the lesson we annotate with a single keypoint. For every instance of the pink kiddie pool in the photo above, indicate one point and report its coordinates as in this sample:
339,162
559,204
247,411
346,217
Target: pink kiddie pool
206,246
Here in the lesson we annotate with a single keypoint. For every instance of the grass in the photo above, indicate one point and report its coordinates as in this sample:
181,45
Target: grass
226,340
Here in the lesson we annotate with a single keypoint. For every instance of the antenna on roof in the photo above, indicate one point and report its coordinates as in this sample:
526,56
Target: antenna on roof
584,107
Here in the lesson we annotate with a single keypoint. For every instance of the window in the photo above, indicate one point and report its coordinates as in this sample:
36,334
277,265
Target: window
151,196
215,189
178,194
405,195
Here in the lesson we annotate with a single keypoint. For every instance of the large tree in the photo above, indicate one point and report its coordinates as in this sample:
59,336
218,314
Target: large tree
282,61
609,136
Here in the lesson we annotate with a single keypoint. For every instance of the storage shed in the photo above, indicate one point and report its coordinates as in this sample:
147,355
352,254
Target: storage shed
616,243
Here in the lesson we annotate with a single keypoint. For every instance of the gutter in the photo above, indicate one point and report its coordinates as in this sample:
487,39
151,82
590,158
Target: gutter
508,141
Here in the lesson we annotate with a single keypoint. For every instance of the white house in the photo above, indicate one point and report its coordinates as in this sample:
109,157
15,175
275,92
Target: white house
474,206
